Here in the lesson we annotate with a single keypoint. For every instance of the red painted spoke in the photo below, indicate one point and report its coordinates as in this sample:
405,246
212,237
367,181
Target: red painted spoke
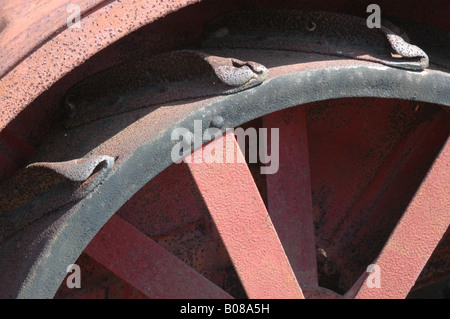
415,237
242,220
148,267
289,193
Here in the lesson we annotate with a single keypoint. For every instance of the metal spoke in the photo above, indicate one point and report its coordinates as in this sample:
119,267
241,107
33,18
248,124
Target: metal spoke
244,224
145,265
289,193
414,238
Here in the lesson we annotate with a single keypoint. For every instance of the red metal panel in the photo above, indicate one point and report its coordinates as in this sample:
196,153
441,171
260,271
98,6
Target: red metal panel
289,193
415,237
148,267
243,222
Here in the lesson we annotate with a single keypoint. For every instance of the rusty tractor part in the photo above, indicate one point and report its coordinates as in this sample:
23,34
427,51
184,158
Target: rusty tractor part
161,79
42,188
363,173
314,31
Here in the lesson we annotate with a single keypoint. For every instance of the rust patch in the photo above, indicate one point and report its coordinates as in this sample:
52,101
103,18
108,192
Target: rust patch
167,77
313,31
41,188
102,27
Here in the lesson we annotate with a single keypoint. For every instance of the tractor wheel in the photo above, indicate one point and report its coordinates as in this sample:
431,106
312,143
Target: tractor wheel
337,183
201,229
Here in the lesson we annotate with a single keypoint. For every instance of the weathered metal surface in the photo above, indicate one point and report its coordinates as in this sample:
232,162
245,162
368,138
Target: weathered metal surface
242,220
97,282
100,28
77,170
41,188
436,269
25,25
37,178
175,75
289,194
142,140
48,236
321,293
82,48
147,266
382,171
414,238
170,211
313,31
174,31
164,78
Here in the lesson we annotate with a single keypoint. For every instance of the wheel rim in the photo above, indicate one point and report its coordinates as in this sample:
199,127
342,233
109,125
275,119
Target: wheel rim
300,263
109,198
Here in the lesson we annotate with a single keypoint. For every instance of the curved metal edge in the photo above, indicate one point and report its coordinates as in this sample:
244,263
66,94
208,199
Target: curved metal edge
101,28
59,239
163,78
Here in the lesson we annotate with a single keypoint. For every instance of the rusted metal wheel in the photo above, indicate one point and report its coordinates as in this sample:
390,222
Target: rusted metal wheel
250,235
200,212
362,180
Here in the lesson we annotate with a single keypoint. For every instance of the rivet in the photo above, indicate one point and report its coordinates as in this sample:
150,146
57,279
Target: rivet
311,26
217,121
